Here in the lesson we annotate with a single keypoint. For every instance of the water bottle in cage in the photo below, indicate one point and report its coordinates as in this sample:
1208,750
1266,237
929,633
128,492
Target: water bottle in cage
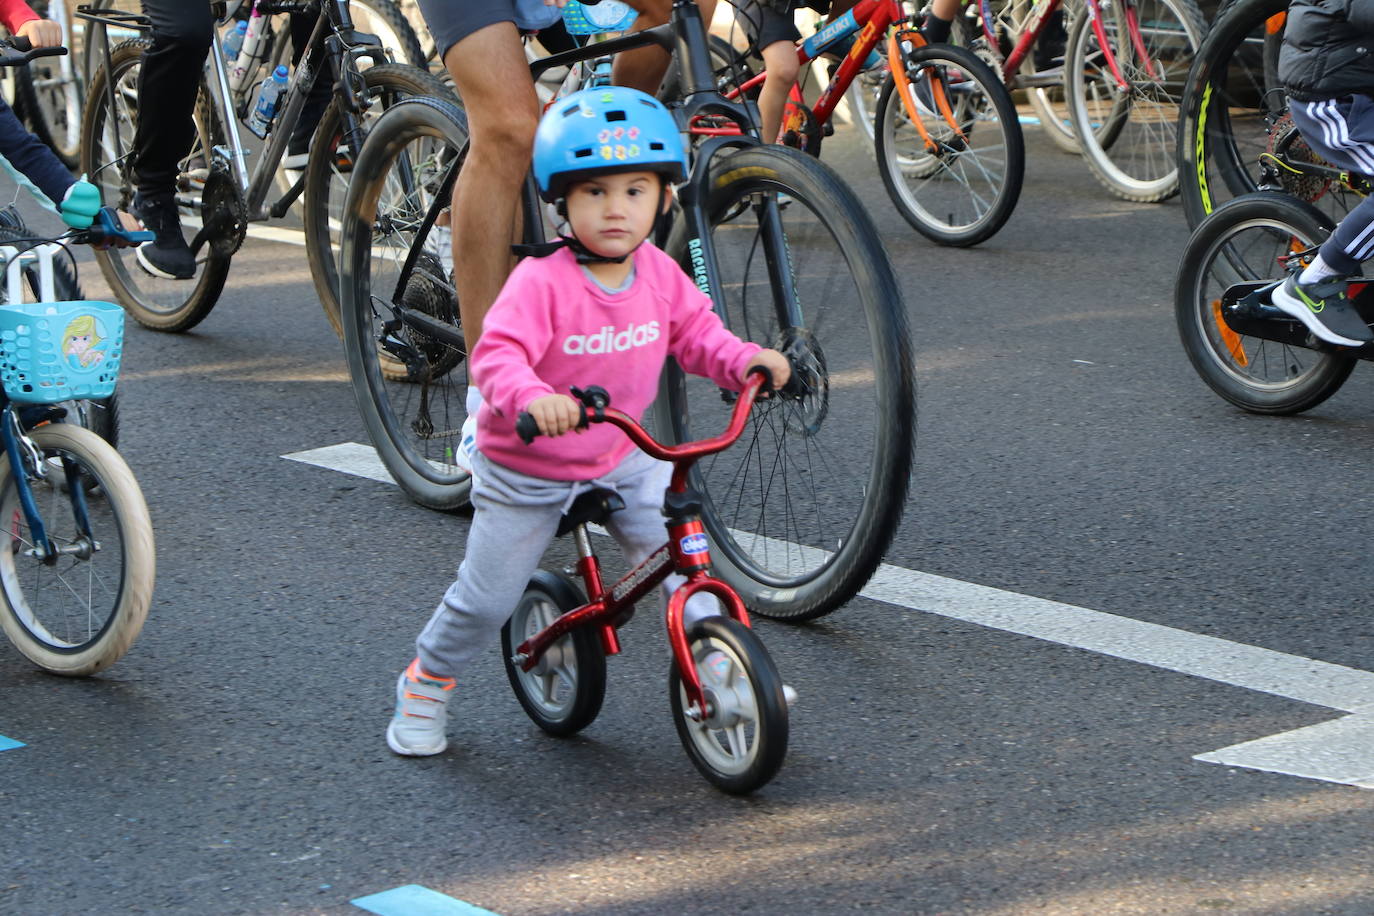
233,42
269,97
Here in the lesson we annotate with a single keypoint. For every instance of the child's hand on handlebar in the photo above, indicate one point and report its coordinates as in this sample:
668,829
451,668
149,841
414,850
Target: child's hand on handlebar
41,33
555,414
775,363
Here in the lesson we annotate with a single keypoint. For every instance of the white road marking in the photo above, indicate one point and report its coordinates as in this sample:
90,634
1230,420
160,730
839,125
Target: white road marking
1340,751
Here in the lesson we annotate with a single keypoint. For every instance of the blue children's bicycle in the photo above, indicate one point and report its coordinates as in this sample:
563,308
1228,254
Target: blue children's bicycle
76,542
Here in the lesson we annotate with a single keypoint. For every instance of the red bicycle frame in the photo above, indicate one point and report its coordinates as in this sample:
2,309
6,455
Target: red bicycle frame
877,18
687,552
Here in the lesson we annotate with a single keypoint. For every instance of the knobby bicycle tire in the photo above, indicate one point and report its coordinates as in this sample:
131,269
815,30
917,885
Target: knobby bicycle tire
390,14
854,365
966,191
328,175
1243,240
1231,98
162,305
399,412
1134,157
77,640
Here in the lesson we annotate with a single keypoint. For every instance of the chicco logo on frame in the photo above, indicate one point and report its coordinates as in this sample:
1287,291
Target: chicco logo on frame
609,340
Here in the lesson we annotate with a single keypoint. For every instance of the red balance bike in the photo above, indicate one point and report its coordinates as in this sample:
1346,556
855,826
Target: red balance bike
726,695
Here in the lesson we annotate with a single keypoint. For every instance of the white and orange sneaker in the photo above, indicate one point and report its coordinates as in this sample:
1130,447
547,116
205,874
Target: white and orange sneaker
418,727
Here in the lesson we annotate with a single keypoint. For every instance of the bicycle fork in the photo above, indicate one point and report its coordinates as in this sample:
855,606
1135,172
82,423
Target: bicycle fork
26,464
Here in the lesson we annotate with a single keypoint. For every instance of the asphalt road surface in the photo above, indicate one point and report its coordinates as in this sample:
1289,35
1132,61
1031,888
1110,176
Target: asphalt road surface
1119,661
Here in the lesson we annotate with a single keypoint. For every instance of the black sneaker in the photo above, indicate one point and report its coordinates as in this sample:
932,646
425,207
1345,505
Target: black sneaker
167,256
1325,309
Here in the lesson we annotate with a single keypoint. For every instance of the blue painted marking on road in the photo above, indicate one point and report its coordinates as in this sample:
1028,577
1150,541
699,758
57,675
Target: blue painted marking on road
414,900
1028,119
9,744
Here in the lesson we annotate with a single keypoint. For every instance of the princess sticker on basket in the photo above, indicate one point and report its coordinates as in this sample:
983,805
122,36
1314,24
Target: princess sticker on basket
82,342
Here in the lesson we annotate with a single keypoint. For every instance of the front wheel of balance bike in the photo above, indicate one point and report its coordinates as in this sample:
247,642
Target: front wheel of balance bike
741,740
204,194
1256,237
563,692
81,613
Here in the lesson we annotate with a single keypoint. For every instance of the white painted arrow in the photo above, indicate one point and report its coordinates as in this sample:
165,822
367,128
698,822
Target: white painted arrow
1341,750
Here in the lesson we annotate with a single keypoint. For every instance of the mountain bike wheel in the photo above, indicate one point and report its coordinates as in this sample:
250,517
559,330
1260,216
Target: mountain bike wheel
802,508
100,415
331,167
1232,99
965,190
740,743
52,100
411,388
82,613
1138,163
1251,238
154,302
563,693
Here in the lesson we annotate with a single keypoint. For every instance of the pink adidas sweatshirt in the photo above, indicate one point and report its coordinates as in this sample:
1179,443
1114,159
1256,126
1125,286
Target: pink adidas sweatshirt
552,327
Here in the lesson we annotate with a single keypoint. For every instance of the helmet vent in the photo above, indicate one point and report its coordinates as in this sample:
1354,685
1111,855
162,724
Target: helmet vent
582,153
618,115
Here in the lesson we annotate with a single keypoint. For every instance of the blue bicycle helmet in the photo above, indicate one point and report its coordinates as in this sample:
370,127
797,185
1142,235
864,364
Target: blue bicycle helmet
604,130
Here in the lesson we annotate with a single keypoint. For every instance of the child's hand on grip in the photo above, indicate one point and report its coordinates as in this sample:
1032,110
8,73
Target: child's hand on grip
555,414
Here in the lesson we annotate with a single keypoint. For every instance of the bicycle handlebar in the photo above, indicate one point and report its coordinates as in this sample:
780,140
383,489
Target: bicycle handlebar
759,380
16,51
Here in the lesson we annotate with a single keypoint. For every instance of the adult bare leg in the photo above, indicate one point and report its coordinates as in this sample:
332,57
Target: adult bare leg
493,80
643,68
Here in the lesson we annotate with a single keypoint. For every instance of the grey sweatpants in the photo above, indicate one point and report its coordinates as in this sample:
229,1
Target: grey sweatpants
514,519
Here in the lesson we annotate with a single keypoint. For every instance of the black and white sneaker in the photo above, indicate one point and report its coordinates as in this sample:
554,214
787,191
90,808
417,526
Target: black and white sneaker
167,255
1325,309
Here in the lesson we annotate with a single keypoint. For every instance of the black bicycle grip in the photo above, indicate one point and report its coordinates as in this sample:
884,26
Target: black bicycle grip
526,427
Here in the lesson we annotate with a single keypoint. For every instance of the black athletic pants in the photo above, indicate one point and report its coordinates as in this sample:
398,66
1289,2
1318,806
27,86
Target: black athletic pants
167,85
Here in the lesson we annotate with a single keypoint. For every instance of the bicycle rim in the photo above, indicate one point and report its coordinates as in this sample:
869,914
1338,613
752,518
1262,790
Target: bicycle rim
1130,138
1255,238
965,190
411,388
80,614
162,304
802,508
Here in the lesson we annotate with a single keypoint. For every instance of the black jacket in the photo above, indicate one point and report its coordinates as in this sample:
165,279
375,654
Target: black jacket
1328,49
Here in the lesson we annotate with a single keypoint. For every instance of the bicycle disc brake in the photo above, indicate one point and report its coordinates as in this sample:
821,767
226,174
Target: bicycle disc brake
224,215
809,388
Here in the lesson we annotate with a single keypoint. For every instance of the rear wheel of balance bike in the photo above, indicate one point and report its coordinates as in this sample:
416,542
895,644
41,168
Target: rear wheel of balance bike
563,692
411,387
741,740
80,614
801,510
1252,238
965,190
202,193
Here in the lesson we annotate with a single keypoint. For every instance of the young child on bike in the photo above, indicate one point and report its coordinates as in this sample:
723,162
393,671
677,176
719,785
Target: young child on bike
772,28
33,159
606,308
1326,67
